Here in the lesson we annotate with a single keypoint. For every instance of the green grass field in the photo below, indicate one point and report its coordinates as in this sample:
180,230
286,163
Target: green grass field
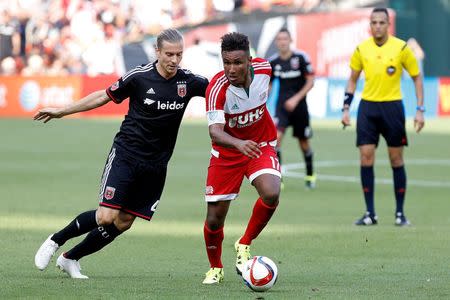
50,173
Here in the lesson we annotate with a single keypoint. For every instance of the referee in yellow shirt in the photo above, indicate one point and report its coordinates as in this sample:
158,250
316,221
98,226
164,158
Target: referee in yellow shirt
382,58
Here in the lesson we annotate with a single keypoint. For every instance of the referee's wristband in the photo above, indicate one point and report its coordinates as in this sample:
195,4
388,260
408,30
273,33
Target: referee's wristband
420,108
348,98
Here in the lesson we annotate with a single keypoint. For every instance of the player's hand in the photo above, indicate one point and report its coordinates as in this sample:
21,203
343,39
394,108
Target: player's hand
46,114
290,104
345,118
249,148
419,121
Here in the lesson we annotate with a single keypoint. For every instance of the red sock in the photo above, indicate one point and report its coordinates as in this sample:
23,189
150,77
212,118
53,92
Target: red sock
213,241
259,219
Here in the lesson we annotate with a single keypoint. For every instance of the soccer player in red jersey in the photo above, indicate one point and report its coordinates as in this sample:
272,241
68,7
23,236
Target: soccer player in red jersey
243,144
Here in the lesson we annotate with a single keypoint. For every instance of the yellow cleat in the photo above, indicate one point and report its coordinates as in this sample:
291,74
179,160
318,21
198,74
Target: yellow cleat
310,181
213,276
242,256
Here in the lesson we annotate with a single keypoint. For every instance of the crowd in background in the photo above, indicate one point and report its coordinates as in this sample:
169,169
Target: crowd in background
62,37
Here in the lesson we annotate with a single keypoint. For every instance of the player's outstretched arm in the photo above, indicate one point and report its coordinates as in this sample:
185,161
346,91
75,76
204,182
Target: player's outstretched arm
91,101
247,147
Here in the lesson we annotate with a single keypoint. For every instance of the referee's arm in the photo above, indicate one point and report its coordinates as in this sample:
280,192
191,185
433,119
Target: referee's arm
419,119
349,90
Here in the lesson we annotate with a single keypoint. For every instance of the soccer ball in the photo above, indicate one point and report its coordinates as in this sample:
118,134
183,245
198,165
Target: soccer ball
260,273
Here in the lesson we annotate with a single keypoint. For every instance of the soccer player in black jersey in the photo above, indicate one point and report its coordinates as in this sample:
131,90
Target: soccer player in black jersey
295,78
159,93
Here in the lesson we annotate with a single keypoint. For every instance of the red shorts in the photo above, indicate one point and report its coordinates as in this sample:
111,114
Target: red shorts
225,176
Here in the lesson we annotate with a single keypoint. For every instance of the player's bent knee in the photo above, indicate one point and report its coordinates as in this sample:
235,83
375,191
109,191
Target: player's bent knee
271,198
106,216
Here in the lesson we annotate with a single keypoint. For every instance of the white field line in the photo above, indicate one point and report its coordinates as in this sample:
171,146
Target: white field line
290,170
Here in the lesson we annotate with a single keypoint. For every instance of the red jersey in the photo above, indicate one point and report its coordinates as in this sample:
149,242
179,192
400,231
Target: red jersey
245,116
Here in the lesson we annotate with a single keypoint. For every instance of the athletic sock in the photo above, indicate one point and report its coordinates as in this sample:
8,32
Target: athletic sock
399,175
308,156
367,182
94,241
83,223
213,242
259,219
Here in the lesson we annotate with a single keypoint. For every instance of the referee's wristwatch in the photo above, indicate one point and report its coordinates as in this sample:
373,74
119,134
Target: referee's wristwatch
420,108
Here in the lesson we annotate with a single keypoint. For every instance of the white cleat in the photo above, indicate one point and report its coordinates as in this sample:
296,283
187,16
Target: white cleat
70,266
45,253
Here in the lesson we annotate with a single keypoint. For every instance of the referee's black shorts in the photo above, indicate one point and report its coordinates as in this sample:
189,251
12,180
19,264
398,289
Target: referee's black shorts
385,118
131,185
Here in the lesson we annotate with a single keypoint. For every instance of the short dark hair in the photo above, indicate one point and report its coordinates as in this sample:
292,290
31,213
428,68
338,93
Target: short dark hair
169,35
381,9
235,41
284,29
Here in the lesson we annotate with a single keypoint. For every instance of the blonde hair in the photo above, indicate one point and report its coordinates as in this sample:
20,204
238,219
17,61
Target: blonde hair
169,35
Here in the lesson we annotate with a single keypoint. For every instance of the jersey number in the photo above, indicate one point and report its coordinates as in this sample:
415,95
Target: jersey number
275,163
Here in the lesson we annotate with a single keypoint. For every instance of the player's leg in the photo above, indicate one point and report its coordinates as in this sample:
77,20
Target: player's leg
308,154
264,174
82,224
367,138
399,175
222,185
112,223
213,234
394,132
117,180
303,132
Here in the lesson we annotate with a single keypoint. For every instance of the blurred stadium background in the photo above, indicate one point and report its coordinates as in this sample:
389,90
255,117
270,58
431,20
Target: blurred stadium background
53,52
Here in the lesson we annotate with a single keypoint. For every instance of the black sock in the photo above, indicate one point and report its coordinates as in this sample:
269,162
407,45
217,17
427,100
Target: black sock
367,182
308,156
279,155
85,222
94,241
399,175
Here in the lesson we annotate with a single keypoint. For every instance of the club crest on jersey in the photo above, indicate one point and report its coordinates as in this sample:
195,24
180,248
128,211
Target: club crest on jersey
109,192
295,63
390,70
115,86
181,88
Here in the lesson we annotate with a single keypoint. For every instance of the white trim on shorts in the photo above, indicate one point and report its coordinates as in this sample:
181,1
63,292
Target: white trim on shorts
264,171
215,198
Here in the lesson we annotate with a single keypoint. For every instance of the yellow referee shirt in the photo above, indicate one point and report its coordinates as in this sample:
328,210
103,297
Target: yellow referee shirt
382,67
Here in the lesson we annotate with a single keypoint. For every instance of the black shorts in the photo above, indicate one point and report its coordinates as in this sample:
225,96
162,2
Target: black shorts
131,185
385,118
298,119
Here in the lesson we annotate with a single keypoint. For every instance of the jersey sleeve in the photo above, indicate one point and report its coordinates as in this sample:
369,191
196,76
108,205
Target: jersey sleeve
306,66
200,84
215,99
409,61
355,60
262,66
121,89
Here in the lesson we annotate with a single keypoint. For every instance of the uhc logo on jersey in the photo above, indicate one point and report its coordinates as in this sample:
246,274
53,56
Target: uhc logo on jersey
246,119
181,88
